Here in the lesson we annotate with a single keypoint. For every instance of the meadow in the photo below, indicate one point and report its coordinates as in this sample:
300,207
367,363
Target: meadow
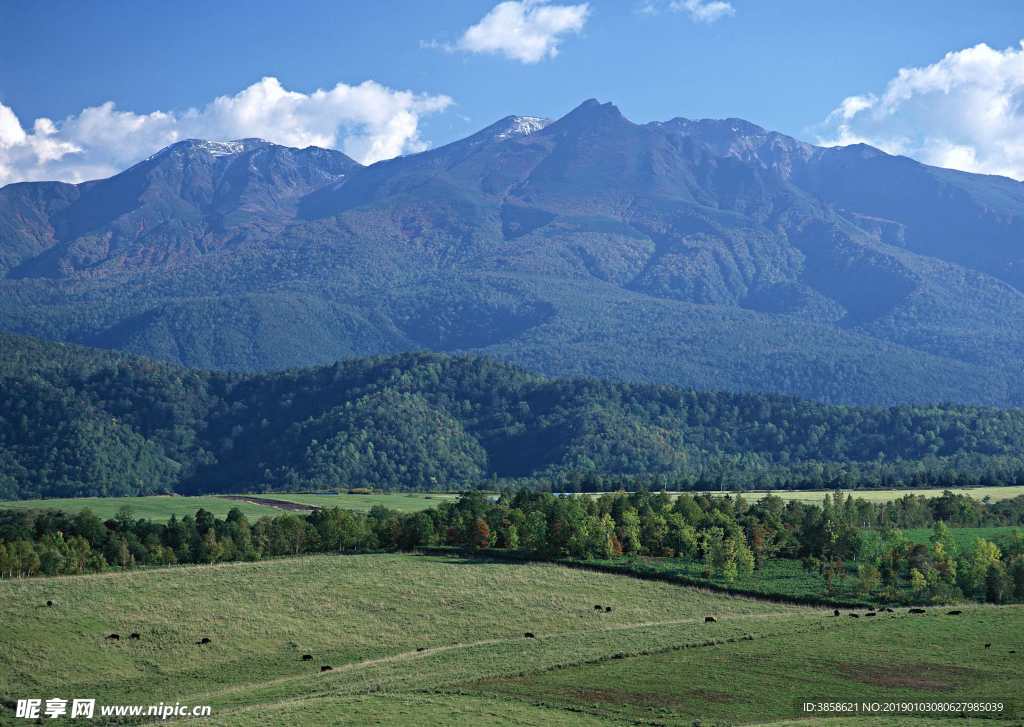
160,507
399,501
416,639
815,496
150,507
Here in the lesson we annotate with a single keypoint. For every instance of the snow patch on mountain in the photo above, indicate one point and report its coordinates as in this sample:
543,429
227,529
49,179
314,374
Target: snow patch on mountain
521,126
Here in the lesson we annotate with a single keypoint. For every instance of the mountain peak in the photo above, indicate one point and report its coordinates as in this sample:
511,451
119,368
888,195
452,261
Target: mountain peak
591,113
512,126
213,147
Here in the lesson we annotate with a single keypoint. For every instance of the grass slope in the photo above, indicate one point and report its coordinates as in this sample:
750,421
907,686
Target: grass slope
400,501
151,507
979,493
434,640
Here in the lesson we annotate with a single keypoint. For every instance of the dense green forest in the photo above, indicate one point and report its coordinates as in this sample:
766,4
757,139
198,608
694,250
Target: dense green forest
78,422
853,545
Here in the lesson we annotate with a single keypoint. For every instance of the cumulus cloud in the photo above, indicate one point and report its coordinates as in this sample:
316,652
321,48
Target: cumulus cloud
523,30
703,11
369,122
965,111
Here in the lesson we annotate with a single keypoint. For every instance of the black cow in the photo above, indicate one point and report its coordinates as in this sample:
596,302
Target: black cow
988,646
916,610
529,635
114,637
325,667
710,620
307,657
953,613
598,607
49,604
203,641
134,636
871,613
835,612
607,609
421,648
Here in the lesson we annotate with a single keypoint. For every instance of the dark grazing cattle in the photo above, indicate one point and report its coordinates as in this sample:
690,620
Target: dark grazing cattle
203,641
888,610
529,635
916,610
953,613
134,636
988,646
307,657
1013,651
598,607
114,637
607,609
325,667
49,604
421,648
871,613
710,620
835,612
618,655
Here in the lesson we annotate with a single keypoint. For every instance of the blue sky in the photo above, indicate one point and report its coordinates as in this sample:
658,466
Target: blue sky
786,65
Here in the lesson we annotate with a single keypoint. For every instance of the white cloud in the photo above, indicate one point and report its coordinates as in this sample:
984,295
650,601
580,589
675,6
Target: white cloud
369,122
703,11
966,111
523,30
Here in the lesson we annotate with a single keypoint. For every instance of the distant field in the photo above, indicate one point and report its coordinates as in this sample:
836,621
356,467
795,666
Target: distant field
417,640
154,507
161,507
995,493
401,501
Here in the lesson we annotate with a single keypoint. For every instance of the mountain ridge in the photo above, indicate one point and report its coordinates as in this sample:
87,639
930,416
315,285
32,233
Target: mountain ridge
694,252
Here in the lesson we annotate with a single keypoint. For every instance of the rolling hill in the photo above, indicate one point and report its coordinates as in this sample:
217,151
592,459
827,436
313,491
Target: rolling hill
77,422
707,253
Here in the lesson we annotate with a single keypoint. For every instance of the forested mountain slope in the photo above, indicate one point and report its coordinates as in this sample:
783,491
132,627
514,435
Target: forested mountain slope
713,254
77,421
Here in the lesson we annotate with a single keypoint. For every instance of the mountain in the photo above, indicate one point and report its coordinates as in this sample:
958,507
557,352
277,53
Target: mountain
83,422
708,253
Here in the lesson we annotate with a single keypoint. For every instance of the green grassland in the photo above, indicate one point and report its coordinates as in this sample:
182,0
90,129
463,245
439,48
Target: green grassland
151,507
160,507
400,501
440,640
978,493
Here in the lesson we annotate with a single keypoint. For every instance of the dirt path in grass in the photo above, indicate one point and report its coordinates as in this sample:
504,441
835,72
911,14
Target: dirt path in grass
434,650
270,502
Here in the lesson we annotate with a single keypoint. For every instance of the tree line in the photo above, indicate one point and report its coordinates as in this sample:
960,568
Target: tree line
842,539
82,422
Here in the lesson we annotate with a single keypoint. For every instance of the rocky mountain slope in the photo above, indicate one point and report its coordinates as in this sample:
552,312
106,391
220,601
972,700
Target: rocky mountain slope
707,253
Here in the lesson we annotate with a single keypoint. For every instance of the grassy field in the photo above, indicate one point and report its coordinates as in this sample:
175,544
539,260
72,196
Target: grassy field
978,493
401,501
438,640
154,507
161,507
